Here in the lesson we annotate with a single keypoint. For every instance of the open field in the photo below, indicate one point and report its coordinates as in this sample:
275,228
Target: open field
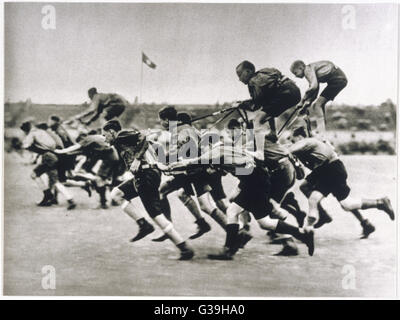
91,253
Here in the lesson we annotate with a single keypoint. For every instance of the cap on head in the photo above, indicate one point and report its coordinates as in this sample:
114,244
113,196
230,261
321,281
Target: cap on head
112,125
299,131
184,117
92,92
246,65
168,113
297,64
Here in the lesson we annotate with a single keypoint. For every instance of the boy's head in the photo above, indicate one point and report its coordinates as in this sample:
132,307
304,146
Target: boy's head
297,68
245,71
111,129
26,126
184,118
233,124
53,121
166,115
92,92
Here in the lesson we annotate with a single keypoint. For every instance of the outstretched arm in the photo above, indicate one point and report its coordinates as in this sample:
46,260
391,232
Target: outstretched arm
70,150
92,110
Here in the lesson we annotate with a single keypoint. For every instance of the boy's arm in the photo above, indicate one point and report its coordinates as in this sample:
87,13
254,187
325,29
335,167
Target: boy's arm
185,163
28,141
95,105
92,109
70,150
298,147
311,93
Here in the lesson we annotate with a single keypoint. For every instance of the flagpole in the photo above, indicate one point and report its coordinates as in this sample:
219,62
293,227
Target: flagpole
141,78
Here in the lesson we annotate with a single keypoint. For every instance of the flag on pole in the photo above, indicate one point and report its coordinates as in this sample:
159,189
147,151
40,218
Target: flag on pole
148,62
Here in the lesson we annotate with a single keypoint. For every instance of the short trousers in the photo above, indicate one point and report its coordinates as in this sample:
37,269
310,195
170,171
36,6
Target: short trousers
65,163
147,183
282,179
49,162
128,189
254,193
335,84
192,184
330,178
144,184
114,111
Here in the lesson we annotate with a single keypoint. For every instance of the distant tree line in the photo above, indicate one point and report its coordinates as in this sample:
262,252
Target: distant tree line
339,117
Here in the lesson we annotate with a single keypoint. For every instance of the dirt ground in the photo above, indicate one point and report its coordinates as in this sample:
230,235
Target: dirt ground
91,254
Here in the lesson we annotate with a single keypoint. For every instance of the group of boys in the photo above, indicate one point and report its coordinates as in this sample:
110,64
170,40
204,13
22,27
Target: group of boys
196,163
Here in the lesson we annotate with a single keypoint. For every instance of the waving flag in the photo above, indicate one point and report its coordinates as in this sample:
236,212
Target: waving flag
148,62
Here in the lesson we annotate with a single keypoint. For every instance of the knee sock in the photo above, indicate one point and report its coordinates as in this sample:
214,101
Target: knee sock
369,203
102,193
168,228
244,220
129,209
75,183
221,206
48,194
41,184
231,240
192,206
219,217
358,215
64,191
290,204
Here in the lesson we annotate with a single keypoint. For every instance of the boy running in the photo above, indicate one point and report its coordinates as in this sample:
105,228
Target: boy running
328,176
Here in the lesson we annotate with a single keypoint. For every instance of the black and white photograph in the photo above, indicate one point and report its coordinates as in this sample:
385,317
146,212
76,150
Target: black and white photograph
187,149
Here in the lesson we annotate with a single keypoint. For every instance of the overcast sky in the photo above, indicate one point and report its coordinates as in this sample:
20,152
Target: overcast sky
196,48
